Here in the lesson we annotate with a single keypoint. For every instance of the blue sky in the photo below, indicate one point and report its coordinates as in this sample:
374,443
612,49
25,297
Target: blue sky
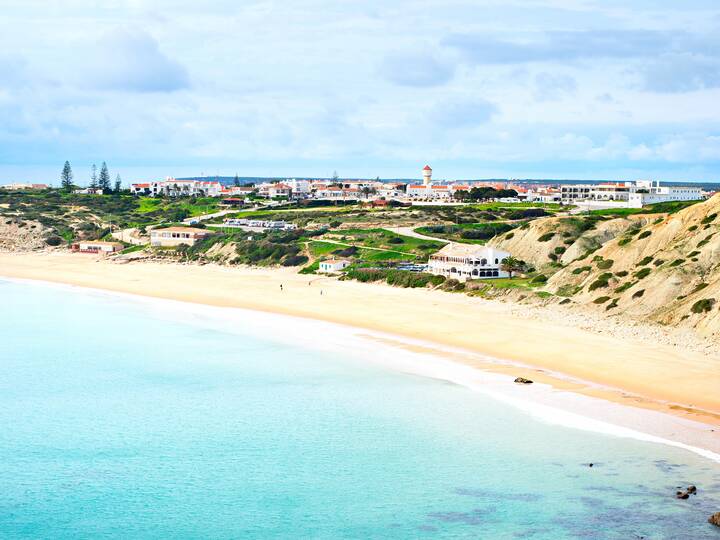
476,88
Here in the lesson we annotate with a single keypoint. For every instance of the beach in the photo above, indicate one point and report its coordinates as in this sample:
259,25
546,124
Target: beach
488,335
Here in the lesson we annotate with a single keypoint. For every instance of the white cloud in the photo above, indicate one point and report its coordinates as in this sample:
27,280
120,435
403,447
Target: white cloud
131,60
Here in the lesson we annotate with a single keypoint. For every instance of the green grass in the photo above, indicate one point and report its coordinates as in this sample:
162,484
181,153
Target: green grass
507,283
385,239
658,208
318,248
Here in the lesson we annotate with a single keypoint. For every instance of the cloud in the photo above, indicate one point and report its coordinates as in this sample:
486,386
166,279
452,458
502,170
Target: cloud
463,113
416,69
131,60
560,45
551,87
13,69
680,73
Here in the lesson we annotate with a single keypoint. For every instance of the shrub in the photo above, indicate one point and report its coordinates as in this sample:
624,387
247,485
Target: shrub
396,240
53,240
658,262
642,274
582,269
598,284
559,250
453,284
601,300
645,261
612,304
693,228
693,254
552,257
703,306
644,234
676,262
346,252
540,278
545,237
568,290
709,219
622,273
565,301
699,287
639,293
294,260
509,235
605,264
625,286
624,241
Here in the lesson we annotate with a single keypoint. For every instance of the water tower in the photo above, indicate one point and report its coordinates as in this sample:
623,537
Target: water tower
427,175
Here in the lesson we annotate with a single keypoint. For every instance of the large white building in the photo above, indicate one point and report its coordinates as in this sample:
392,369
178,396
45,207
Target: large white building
626,194
179,188
468,261
647,193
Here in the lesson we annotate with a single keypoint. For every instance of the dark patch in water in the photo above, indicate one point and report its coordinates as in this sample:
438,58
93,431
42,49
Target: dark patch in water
474,517
498,495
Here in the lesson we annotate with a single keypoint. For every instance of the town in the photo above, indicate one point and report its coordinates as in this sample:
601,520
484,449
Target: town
627,194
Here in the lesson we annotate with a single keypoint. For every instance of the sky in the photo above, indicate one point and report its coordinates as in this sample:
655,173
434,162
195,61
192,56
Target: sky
585,89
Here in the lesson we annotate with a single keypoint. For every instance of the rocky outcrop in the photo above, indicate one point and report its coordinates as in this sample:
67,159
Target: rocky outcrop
715,519
19,235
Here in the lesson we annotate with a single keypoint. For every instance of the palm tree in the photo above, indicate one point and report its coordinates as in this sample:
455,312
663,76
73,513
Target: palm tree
511,264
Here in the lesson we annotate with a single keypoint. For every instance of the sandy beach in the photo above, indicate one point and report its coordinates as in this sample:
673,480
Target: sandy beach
648,375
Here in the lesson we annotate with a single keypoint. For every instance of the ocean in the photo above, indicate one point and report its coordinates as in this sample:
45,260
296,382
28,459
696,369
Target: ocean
123,417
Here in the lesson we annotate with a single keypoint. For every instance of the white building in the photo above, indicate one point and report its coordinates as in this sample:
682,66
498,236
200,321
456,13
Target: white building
468,261
18,187
626,194
647,192
333,265
172,187
175,236
97,247
88,191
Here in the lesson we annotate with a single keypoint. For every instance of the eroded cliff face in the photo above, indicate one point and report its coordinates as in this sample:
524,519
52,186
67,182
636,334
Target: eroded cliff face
19,235
661,268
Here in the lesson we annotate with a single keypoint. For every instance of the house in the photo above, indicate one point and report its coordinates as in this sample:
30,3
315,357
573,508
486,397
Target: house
468,261
333,265
18,187
175,236
97,247
279,190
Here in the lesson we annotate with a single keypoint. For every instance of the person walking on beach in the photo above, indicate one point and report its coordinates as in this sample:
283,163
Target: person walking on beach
281,287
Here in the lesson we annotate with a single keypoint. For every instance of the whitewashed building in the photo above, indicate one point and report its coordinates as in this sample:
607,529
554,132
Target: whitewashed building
333,265
172,187
468,261
175,236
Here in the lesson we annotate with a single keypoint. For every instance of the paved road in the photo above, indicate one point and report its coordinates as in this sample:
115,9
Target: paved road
410,231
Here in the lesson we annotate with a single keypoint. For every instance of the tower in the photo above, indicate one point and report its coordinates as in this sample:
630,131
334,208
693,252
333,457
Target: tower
427,175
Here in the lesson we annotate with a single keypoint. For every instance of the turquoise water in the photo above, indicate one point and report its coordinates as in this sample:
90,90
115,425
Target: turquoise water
122,421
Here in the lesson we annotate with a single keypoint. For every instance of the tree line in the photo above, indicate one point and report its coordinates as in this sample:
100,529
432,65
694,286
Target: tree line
484,194
99,181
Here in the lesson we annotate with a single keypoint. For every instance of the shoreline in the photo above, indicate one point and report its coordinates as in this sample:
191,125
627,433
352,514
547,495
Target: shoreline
683,422
544,402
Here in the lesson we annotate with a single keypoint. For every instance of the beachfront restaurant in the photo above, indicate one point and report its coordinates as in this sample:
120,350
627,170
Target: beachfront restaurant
466,261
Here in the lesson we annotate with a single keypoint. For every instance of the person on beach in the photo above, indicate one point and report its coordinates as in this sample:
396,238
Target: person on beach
281,287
